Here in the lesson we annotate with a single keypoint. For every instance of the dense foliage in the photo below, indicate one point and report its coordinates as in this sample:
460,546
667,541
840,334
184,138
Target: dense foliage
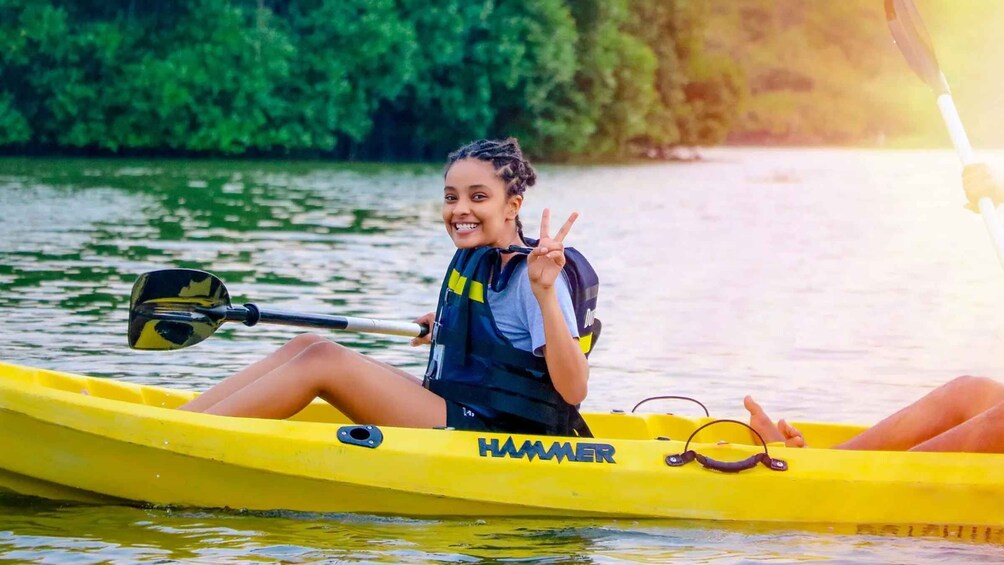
411,79
363,79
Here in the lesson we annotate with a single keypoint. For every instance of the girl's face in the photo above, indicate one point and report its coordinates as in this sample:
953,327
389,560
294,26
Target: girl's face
476,210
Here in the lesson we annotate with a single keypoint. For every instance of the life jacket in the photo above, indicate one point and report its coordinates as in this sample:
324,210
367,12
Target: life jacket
474,364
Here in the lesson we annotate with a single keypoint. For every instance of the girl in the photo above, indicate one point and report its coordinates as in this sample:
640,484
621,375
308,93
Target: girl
519,385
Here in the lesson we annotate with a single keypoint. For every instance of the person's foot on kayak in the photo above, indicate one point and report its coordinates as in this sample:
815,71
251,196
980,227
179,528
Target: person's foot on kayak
792,436
761,422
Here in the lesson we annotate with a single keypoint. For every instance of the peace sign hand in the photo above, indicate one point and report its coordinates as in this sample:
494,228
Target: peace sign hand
548,258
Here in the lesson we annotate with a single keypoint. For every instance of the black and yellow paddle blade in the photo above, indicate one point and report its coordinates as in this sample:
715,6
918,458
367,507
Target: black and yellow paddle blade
910,35
175,308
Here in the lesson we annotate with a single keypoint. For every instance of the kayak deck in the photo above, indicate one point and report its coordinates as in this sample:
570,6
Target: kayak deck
613,425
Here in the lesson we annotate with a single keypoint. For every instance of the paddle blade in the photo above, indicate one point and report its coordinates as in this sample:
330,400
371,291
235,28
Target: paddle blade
911,37
175,308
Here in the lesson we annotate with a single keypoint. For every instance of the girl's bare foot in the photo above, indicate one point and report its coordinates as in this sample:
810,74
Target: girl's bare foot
792,437
762,423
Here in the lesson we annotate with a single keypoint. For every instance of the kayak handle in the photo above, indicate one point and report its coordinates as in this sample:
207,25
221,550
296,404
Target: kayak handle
688,455
697,402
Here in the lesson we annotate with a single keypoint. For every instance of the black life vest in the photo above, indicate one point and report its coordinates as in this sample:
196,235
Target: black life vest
474,364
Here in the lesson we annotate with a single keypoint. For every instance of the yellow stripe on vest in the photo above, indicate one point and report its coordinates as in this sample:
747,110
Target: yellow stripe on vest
456,282
477,291
585,342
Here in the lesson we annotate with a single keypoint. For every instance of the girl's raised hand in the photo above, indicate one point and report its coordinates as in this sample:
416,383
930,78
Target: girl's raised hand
548,258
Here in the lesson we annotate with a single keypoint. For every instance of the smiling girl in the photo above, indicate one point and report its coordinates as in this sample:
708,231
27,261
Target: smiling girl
506,353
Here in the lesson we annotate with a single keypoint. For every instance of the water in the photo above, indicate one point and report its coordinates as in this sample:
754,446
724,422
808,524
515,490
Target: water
834,285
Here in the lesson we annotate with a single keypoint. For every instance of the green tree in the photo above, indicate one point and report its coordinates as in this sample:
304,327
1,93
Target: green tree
360,79
482,69
699,94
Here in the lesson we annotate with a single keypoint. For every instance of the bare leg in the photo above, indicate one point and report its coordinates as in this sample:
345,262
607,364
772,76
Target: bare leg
251,373
242,378
983,433
942,409
364,390
964,415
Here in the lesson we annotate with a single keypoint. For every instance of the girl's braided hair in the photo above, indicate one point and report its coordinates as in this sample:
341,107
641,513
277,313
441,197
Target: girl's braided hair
510,165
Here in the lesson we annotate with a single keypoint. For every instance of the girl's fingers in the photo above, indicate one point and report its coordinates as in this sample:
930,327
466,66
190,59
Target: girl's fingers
545,247
567,227
545,221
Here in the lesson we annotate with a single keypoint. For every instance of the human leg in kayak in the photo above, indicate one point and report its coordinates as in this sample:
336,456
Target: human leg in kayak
252,372
965,414
364,389
277,365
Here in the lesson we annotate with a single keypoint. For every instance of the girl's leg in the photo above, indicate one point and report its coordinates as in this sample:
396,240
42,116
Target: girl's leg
240,379
942,409
983,433
363,389
249,374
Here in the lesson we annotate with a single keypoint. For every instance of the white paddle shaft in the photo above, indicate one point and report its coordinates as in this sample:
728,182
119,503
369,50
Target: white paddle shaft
955,129
369,325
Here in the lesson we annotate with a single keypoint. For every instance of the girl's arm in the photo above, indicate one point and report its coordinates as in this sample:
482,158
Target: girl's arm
566,363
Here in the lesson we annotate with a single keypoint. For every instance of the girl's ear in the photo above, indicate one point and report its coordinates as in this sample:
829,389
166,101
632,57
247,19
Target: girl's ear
512,206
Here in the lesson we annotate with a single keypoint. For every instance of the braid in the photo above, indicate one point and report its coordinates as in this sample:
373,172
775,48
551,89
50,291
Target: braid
510,165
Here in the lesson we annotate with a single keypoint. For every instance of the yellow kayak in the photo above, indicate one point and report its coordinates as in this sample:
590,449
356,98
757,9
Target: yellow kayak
124,443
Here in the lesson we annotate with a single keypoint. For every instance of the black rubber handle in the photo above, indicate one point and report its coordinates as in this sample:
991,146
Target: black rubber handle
736,466
689,455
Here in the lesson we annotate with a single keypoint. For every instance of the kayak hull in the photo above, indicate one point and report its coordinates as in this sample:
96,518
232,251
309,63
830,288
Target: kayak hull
126,443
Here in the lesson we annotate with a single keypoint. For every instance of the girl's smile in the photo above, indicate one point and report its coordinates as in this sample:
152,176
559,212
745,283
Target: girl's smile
465,228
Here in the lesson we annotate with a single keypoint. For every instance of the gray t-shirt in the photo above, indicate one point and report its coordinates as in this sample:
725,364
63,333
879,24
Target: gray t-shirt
517,312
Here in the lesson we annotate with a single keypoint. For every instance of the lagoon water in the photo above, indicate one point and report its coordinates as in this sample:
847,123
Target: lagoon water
834,285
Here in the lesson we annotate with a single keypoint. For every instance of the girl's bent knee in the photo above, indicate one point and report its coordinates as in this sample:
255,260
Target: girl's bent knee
304,341
975,387
323,351
300,343
317,364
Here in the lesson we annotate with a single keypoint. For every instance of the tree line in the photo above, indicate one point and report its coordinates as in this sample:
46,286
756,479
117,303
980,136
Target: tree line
395,80
360,79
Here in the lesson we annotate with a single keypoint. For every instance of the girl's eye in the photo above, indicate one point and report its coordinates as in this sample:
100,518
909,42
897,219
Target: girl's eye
450,198
478,197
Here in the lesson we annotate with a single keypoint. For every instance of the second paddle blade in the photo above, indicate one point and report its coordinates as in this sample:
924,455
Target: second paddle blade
911,37
175,308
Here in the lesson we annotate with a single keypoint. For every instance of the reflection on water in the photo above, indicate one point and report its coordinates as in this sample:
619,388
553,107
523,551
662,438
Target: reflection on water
836,285
34,531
